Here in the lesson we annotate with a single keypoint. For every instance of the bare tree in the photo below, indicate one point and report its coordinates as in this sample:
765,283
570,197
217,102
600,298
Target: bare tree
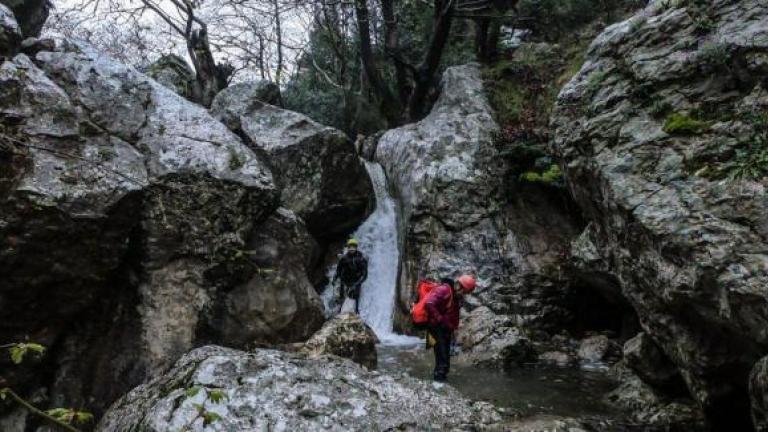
220,38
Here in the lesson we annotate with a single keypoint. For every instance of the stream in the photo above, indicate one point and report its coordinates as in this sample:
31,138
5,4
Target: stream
528,390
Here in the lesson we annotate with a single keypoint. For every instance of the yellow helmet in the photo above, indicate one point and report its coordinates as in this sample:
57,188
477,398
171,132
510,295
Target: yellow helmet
352,242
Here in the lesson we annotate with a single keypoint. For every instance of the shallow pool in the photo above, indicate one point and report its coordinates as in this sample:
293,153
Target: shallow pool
528,390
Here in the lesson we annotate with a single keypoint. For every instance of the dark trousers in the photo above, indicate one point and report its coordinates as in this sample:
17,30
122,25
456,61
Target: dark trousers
442,349
352,291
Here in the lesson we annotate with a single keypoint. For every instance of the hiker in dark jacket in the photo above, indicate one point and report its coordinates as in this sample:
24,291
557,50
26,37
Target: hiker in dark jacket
443,305
352,270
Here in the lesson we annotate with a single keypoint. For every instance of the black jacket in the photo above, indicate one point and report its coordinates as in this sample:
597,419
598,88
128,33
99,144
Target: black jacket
352,268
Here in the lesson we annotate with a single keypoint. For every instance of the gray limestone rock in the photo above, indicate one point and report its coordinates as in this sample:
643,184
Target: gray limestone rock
322,179
10,33
348,336
273,390
685,240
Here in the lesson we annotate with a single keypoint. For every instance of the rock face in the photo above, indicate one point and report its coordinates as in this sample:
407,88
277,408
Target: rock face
652,409
174,72
461,212
758,392
347,336
650,134
493,341
238,97
272,390
30,14
179,236
446,174
317,168
645,358
278,303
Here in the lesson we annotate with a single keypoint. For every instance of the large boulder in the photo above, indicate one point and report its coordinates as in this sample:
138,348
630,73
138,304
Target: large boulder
277,304
598,349
238,97
347,336
493,340
317,167
174,72
160,197
656,135
273,390
31,14
652,409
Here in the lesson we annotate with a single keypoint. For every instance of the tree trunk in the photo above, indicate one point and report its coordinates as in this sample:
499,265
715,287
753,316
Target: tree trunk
481,39
392,46
425,73
279,35
207,74
389,106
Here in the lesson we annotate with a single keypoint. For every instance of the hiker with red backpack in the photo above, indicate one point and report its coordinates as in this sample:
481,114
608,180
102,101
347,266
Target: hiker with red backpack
438,309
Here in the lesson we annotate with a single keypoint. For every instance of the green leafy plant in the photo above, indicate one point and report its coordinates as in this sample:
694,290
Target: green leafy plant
215,396
63,418
682,124
20,350
236,161
552,175
70,416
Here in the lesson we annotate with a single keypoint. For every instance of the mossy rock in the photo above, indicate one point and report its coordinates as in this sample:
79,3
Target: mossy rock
682,124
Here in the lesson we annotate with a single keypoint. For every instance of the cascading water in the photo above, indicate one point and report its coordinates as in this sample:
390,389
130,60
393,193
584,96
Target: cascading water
378,241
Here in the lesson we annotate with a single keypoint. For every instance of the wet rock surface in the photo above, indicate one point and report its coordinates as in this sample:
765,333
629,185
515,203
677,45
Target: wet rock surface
281,391
347,336
321,177
684,238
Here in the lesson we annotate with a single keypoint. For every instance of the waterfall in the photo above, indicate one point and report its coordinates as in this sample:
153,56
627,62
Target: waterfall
378,241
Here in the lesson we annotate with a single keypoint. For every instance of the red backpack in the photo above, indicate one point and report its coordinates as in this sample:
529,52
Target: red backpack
419,313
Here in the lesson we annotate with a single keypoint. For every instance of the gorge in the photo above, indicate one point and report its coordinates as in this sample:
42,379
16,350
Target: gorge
173,259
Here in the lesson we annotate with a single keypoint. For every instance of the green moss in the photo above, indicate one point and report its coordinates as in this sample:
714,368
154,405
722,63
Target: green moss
236,161
550,176
682,124
595,80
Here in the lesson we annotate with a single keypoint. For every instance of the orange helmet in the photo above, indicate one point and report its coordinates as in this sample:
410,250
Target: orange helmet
467,283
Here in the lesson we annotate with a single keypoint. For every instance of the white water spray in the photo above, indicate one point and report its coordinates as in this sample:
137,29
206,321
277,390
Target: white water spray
378,241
